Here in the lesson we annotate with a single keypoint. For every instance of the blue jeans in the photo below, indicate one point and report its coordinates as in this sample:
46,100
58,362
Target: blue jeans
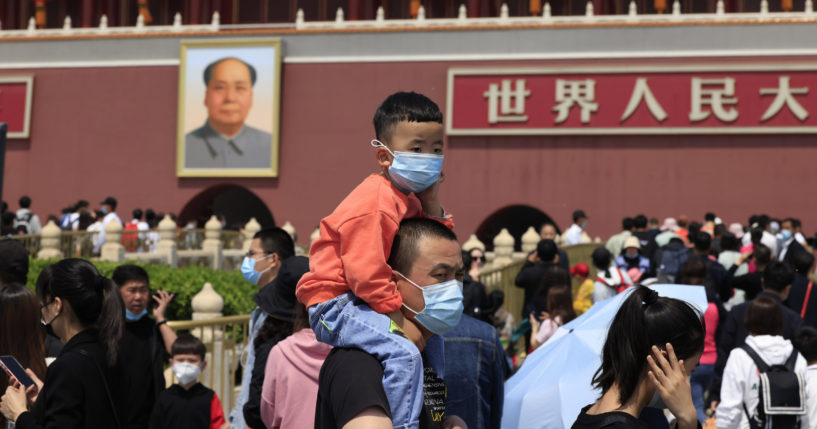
699,381
347,321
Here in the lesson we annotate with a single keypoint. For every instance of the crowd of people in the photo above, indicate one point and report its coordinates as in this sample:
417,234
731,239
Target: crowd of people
386,324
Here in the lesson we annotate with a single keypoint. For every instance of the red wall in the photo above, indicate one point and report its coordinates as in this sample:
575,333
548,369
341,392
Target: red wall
101,131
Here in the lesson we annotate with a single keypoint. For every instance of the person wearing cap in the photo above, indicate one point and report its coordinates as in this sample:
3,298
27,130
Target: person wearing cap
583,294
291,378
109,210
631,260
261,265
668,231
573,235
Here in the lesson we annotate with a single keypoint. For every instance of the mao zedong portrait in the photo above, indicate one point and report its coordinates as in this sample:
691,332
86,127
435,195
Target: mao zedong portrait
225,141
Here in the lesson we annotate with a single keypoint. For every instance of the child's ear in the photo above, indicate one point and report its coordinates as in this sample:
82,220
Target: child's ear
203,365
383,156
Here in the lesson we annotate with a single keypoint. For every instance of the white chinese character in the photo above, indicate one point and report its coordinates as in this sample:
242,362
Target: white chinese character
716,93
500,108
785,96
570,92
642,92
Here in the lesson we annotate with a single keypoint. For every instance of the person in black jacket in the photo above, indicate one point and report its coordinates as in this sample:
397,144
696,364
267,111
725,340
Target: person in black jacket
84,387
530,277
145,344
803,289
777,280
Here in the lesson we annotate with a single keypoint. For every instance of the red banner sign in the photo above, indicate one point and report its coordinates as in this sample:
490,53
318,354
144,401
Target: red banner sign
680,99
15,104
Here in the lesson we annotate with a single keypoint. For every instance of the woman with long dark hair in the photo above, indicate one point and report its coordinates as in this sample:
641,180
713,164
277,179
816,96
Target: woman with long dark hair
653,344
21,334
84,387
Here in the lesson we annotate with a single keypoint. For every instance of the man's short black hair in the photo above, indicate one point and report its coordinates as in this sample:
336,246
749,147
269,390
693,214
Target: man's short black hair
627,224
129,273
13,261
276,240
777,276
404,106
25,202
763,255
730,242
137,214
208,71
406,245
187,344
802,262
578,214
703,242
763,221
640,221
546,250
709,217
805,341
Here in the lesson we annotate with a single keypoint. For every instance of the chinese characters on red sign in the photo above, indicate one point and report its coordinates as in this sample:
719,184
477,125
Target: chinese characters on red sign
15,104
656,100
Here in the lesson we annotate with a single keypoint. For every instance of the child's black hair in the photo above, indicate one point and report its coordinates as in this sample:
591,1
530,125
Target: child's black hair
404,106
644,320
187,344
805,341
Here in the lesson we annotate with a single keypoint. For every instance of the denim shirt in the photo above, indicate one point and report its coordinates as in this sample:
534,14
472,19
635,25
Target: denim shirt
237,414
475,367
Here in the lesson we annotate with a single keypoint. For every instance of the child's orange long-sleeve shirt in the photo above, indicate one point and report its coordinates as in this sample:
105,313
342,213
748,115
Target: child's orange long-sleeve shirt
354,245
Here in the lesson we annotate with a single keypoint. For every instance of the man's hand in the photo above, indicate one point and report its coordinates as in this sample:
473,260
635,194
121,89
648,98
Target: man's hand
430,200
454,422
533,257
162,299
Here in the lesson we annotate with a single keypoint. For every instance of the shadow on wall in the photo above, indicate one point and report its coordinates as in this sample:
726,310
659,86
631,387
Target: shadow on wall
517,219
237,203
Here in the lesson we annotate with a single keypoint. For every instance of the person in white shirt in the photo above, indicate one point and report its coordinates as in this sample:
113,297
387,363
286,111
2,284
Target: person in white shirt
109,210
805,340
740,385
573,235
27,218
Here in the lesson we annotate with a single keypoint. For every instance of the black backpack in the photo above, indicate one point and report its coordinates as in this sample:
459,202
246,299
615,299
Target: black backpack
781,394
23,223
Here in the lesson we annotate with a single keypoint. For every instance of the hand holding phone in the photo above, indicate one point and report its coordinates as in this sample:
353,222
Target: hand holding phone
16,371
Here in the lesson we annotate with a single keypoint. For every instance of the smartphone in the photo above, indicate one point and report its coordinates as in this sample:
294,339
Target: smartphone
15,370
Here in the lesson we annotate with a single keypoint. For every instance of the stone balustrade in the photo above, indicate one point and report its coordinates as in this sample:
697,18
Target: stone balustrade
543,17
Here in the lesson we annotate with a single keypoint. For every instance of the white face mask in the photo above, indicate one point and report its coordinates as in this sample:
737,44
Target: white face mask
186,373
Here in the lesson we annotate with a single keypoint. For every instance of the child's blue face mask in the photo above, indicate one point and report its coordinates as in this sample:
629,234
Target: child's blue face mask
413,172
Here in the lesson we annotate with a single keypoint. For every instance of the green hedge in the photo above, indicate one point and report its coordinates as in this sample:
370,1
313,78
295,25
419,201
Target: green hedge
185,282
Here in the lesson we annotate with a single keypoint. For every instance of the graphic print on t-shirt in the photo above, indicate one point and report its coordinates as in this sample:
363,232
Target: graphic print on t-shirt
434,393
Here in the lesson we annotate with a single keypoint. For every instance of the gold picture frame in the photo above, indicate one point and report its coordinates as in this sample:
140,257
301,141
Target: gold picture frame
209,113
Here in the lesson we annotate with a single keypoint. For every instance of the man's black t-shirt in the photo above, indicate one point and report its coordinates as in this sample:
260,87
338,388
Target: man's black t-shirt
351,381
137,347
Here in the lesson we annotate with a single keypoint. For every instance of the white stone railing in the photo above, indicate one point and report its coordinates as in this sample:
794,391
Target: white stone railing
674,16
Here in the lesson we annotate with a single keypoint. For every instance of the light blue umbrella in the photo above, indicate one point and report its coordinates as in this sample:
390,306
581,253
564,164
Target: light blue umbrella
554,383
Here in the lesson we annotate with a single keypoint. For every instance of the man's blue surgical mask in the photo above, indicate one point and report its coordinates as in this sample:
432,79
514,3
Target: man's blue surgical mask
413,172
786,234
135,316
443,307
248,269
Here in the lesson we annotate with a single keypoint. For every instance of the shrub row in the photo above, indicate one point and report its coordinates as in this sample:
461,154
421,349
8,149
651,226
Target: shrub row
185,282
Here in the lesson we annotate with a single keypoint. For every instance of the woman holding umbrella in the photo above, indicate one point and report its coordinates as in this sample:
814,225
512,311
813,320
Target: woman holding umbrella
653,344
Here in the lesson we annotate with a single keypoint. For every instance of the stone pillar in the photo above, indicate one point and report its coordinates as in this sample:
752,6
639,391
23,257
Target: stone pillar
208,304
473,243
503,248
166,245
113,250
529,240
50,242
212,241
249,231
